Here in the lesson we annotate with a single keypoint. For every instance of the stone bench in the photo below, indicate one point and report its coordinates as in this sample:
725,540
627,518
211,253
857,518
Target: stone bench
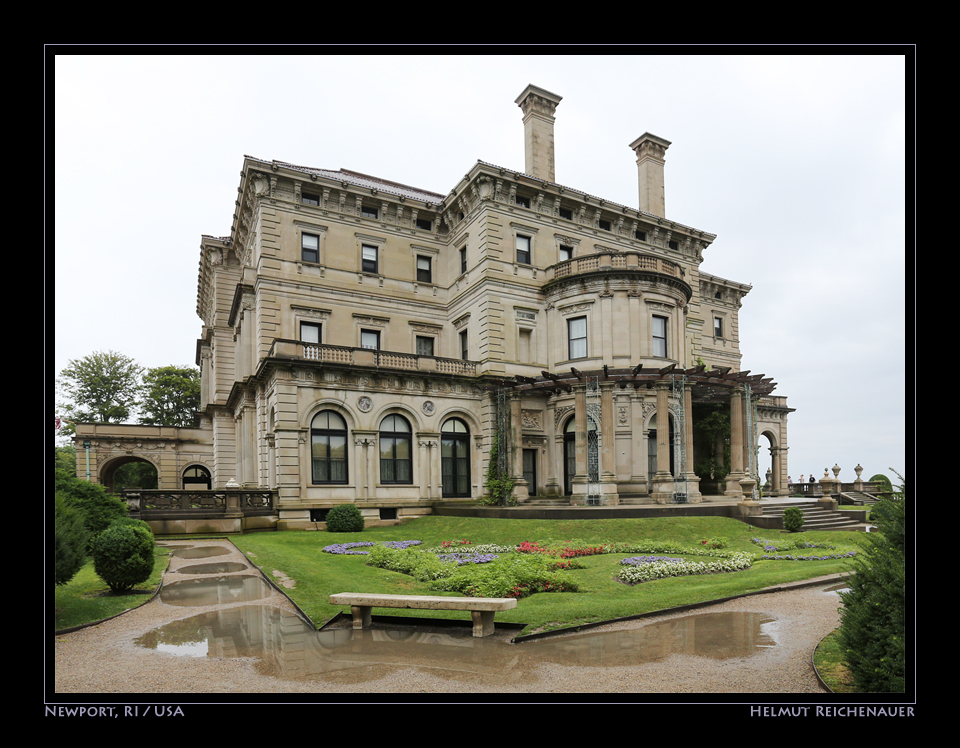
481,608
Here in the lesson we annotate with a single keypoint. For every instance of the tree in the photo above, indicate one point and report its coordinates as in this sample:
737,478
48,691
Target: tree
873,616
70,540
102,387
171,396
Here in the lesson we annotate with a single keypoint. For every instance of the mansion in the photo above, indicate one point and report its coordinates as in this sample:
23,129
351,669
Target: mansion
373,343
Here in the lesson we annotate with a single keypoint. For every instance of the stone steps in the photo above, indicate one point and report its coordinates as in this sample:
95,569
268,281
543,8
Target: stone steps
815,517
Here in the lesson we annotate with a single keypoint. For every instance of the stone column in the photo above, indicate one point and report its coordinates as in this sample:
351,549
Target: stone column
582,478
733,489
521,488
748,481
608,456
693,481
663,481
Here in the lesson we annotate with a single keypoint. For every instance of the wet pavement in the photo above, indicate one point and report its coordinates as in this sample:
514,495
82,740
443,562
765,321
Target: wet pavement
237,617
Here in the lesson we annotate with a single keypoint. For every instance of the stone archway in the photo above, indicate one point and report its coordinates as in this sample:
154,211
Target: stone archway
122,472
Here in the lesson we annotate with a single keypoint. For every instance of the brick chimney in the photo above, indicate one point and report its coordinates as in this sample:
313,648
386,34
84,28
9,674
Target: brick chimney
650,151
538,108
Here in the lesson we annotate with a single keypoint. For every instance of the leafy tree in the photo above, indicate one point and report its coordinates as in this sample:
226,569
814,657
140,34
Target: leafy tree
102,387
171,396
873,617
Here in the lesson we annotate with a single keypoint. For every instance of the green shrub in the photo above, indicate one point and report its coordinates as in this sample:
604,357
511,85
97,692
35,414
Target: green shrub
70,540
873,617
792,519
123,555
98,506
345,518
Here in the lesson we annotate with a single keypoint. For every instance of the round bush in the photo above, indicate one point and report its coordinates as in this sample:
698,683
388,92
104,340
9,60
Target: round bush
123,555
792,519
345,518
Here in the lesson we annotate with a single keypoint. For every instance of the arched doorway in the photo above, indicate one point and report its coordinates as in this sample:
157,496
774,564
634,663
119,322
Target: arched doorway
570,452
197,478
455,458
129,472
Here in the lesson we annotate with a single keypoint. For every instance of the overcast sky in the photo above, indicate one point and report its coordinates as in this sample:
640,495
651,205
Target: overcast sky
796,163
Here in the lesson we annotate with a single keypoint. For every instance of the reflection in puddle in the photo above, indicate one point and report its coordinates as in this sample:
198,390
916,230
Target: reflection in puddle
215,591
715,635
203,551
287,647
221,568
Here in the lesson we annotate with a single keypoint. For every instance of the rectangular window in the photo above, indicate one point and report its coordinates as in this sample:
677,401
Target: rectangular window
370,339
463,346
370,260
577,337
566,253
309,248
424,346
424,270
660,337
605,225
310,332
307,199
369,212
523,250
641,235
423,223
566,213
524,201
673,245
718,327
463,260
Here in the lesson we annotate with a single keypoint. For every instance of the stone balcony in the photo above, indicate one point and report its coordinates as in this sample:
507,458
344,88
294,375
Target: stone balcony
618,262
365,357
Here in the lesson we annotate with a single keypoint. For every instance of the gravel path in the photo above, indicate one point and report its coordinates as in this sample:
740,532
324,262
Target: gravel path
106,659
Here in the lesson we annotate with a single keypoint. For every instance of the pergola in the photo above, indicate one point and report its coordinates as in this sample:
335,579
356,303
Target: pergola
718,385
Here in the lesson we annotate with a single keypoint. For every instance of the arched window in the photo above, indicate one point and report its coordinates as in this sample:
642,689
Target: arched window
455,458
196,477
328,448
396,462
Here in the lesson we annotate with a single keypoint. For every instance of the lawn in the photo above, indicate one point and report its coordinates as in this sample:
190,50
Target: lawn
86,598
299,556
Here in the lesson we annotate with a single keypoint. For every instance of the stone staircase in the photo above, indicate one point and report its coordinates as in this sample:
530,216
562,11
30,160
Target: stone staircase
859,498
815,517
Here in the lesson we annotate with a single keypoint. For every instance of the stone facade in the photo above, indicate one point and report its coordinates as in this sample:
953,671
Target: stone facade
356,334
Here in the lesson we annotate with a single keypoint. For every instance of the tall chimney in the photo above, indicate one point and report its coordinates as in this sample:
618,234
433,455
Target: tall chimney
650,151
538,108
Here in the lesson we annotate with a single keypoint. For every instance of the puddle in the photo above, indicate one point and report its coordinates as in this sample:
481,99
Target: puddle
836,589
221,568
219,590
287,647
203,551
715,635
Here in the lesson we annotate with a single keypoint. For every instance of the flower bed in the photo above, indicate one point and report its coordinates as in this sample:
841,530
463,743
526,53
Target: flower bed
776,549
346,549
647,571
